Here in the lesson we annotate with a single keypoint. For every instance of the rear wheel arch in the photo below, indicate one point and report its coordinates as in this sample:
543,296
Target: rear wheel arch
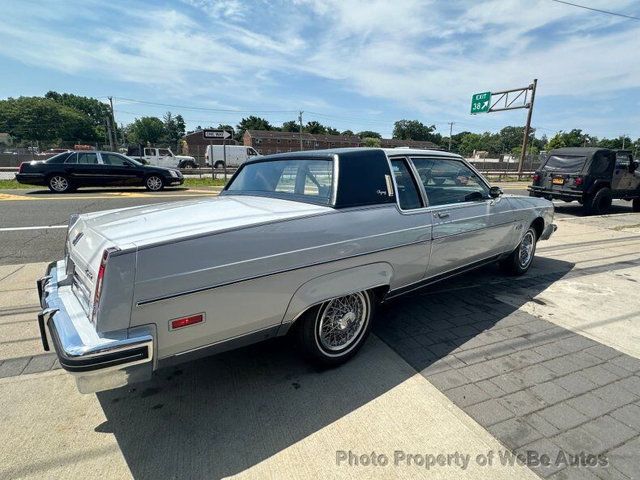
374,278
538,226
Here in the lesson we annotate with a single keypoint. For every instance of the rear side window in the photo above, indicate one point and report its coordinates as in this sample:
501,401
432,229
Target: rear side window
113,159
60,158
408,195
88,158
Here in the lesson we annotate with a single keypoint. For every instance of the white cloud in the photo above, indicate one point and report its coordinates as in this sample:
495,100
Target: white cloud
422,55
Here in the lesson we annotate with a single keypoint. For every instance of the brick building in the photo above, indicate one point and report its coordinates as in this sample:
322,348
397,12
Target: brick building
267,142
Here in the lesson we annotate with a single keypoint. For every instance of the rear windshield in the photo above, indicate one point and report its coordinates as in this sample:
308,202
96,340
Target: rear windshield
299,179
564,163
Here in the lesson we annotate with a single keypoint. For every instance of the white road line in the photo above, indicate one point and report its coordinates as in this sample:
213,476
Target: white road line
42,227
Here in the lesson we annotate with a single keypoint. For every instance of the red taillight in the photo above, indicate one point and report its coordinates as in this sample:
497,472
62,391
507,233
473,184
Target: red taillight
536,177
578,181
186,321
99,281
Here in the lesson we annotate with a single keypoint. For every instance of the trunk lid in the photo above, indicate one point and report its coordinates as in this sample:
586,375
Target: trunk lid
149,224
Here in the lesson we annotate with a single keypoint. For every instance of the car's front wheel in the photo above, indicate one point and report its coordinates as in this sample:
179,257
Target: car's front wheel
332,333
154,183
59,184
519,261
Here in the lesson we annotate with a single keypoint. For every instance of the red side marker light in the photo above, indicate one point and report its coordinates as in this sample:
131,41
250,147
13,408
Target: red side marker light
186,321
578,181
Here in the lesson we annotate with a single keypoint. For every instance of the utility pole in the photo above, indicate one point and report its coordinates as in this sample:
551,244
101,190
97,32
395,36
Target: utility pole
300,120
450,133
109,132
624,138
527,127
113,141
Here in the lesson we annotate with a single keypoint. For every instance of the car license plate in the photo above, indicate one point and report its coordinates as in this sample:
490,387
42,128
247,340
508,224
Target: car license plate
558,181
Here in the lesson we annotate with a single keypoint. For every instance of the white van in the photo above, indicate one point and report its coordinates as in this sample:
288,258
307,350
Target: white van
236,155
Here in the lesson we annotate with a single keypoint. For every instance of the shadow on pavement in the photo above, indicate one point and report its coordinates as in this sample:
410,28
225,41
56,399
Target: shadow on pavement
221,415
575,209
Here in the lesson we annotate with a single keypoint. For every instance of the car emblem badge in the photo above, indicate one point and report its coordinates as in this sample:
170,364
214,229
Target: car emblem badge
88,274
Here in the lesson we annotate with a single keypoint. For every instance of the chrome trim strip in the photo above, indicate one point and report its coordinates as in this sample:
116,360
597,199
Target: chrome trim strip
262,275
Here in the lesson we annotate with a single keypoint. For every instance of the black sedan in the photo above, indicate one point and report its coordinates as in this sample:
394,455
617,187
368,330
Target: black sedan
68,171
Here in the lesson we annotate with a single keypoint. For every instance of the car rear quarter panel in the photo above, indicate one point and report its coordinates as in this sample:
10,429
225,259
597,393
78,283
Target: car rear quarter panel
244,280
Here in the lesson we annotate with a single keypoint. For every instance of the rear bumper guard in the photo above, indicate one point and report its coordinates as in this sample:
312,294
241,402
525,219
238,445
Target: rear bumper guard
97,361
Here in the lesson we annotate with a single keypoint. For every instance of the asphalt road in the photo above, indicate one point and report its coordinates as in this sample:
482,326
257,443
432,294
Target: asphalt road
33,223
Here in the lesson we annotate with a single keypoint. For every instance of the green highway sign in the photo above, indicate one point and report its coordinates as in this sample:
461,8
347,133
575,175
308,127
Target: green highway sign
480,102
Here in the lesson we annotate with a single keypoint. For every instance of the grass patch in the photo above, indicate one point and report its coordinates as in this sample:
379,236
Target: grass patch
204,182
8,184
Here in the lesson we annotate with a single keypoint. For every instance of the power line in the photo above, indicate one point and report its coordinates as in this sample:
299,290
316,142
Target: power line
630,17
186,107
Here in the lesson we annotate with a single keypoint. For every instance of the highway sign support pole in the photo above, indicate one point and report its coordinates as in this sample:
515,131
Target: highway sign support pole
450,133
527,127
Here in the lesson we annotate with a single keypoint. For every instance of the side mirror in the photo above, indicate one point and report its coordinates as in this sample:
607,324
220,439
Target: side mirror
633,166
495,192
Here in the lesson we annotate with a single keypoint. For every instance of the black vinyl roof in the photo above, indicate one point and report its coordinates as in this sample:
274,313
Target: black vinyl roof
578,151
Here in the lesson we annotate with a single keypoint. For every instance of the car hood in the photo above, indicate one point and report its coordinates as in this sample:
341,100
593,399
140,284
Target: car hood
158,223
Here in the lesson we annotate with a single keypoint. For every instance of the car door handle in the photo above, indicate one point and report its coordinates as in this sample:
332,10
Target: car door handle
442,215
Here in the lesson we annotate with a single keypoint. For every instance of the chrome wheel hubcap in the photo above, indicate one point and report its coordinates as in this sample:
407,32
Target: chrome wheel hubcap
154,183
342,321
59,184
525,253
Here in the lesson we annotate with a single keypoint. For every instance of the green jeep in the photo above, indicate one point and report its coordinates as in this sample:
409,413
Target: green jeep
592,176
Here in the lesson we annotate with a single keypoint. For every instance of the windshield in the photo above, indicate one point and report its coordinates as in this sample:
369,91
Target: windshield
298,179
564,163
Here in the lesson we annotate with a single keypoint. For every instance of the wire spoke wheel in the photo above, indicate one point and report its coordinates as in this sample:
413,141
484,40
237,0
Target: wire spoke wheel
341,321
525,251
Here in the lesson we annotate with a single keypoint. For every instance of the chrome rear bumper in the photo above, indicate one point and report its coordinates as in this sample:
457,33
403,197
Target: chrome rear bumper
98,361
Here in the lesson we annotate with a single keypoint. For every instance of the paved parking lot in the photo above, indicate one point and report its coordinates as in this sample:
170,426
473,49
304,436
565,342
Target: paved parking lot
546,363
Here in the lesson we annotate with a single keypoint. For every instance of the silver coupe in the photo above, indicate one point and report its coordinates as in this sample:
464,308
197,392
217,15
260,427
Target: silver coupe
305,243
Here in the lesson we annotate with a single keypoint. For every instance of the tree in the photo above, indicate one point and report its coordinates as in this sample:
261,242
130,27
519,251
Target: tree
369,134
96,111
469,143
371,142
573,138
415,130
251,123
174,129
615,143
290,126
146,130
43,119
333,131
348,133
315,128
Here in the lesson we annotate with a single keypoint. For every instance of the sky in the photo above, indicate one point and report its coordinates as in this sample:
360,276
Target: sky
351,64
